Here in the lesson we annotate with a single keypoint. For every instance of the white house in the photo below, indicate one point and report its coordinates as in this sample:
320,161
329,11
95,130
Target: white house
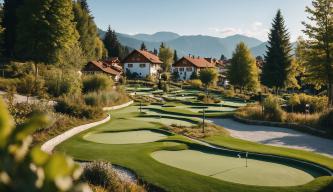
186,66
143,63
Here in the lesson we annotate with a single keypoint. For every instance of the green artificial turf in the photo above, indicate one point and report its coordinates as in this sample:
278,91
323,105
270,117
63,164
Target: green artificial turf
234,169
125,137
137,157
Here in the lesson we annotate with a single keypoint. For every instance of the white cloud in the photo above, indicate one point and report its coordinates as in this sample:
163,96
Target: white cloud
256,29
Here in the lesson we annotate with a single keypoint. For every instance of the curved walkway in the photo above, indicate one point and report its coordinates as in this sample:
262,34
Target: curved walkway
51,144
275,136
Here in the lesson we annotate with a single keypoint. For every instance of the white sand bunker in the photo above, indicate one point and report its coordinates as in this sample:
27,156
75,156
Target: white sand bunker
128,137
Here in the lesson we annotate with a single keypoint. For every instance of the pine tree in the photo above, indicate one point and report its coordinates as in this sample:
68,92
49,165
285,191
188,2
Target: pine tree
175,56
319,46
243,71
87,30
84,5
10,22
143,46
278,57
223,57
162,45
155,51
112,45
43,37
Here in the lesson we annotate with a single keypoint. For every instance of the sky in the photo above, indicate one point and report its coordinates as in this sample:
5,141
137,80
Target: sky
219,18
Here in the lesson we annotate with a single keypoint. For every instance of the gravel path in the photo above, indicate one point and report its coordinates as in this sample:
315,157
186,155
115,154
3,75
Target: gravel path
23,99
275,136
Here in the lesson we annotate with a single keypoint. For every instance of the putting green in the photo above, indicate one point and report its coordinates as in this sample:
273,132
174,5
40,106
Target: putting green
233,169
165,121
128,137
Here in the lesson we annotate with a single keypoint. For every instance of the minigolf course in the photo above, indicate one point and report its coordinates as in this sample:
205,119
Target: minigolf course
233,169
126,137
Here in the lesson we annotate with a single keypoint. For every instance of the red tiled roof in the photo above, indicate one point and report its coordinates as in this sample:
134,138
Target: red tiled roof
150,56
200,62
106,68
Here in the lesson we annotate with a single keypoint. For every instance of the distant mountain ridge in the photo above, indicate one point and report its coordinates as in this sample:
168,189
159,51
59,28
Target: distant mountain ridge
198,45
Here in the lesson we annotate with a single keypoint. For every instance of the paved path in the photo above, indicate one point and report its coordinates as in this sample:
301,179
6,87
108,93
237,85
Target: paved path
277,136
22,99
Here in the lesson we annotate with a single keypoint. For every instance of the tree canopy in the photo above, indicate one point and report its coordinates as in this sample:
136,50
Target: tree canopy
278,57
243,71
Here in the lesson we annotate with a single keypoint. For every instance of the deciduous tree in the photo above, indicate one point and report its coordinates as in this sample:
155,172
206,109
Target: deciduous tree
319,46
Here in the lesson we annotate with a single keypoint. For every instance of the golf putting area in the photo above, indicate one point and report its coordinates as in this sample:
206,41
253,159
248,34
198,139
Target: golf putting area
233,169
126,137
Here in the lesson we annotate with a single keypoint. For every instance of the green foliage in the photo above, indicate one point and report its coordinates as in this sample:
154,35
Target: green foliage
196,83
208,77
326,120
50,30
293,100
166,56
318,49
89,39
175,76
143,46
25,169
75,106
175,56
29,85
317,103
165,87
277,66
99,82
243,71
273,110
194,75
112,45
106,98
59,83
10,22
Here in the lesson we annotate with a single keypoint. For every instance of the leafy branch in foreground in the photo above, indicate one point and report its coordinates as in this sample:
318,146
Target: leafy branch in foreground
25,169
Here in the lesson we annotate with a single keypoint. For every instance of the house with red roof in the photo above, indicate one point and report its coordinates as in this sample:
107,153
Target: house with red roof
186,66
110,67
143,63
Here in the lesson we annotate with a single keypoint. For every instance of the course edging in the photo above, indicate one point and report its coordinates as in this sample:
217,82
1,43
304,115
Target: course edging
294,126
52,143
118,106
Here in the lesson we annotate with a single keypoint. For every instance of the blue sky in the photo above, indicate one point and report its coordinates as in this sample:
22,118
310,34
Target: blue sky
192,17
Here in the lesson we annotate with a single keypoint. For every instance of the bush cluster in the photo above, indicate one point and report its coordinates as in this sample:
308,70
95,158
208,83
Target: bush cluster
101,174
195,83
273,110
298,102
96,83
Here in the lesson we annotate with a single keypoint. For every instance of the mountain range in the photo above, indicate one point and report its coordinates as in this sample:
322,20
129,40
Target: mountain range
198,45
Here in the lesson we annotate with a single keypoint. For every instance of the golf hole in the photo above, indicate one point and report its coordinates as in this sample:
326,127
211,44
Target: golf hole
233,169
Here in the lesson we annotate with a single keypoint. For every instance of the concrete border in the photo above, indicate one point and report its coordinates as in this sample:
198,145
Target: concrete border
118,106
49,146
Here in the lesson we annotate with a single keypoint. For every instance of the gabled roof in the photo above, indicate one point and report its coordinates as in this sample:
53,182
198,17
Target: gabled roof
105,68
200,62
151,57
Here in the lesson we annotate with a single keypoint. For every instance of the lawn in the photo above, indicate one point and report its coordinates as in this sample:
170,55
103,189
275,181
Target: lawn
138,157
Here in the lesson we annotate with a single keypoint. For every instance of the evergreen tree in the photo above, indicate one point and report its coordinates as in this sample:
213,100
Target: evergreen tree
112,45
84,5
223,57
175,56
44,35
143,46
278,57
155,51
162,45
87,29
319,46
243,71
10,22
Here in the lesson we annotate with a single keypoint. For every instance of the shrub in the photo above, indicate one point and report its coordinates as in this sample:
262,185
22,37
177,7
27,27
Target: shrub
6,84
106,98
196,83
60,83
273,110
102,175
326,120
98,82
317,103
77,108
253,112
229,93
165,87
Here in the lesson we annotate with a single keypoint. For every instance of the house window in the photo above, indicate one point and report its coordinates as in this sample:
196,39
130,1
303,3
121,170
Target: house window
189,69
142,65
130,65
175,69
181,69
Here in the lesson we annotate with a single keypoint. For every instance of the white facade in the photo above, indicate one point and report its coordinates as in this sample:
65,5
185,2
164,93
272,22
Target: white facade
185,73
142,69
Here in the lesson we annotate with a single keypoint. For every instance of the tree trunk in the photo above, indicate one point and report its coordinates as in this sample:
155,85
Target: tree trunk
330,95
